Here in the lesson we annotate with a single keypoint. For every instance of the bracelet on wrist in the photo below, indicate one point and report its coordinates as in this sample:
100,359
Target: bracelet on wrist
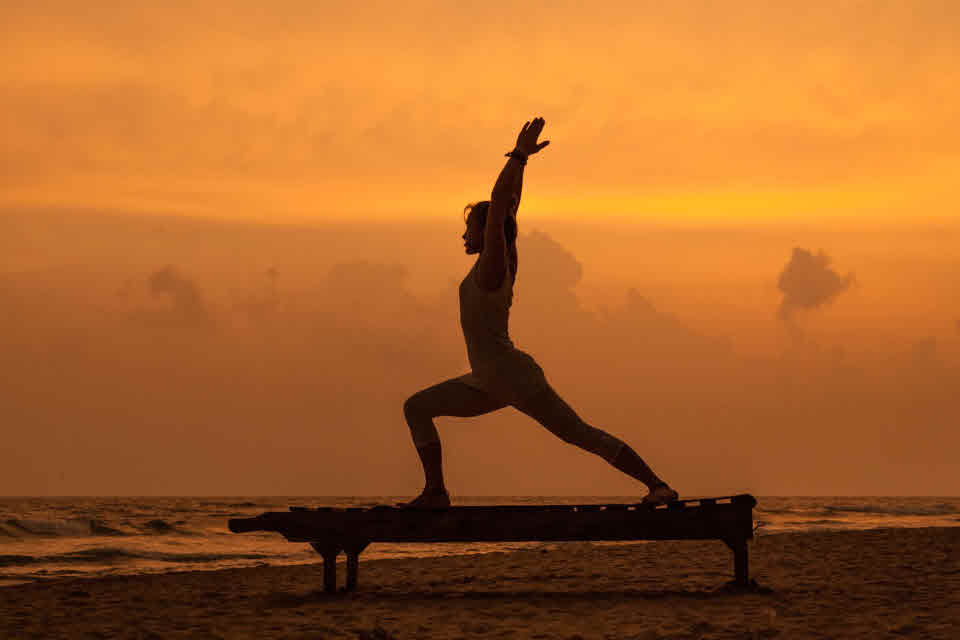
519,155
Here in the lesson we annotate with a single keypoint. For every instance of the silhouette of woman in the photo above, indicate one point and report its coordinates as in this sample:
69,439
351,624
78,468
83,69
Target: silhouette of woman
503,375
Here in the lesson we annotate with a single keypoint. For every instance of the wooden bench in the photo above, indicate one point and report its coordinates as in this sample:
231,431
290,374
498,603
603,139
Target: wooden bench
330,530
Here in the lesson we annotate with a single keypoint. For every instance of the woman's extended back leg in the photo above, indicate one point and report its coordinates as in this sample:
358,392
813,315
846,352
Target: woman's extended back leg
551,411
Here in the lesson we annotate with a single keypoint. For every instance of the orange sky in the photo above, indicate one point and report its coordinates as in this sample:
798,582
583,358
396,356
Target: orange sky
700,150
687,112
280,362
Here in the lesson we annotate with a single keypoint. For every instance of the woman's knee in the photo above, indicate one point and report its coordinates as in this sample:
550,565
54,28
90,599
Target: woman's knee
415,406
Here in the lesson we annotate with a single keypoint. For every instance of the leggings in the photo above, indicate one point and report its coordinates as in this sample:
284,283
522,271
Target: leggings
455,398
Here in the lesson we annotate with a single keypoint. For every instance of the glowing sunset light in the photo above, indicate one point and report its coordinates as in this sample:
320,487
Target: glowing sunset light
319,111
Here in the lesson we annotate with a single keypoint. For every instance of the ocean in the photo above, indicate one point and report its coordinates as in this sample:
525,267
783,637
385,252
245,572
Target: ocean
66,537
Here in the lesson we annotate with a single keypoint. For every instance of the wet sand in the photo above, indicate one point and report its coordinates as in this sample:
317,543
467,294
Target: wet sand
865,584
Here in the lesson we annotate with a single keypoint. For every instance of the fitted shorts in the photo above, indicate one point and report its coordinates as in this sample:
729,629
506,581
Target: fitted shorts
510,378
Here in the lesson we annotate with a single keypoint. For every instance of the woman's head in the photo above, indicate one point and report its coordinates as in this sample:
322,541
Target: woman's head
475,215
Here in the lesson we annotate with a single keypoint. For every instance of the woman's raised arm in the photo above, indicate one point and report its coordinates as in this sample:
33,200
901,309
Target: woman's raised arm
504,200
510,179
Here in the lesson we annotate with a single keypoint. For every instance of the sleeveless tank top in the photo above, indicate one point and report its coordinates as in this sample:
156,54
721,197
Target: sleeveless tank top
498,367
484,316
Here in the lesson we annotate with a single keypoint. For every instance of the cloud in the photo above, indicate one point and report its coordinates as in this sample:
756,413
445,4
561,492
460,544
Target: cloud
546,305
188,307
553,267
807,282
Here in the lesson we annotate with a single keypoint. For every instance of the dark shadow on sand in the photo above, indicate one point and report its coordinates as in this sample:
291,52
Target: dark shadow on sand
426,596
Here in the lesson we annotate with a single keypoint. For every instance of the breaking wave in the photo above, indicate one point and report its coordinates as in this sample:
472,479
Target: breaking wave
19,528
941,509
102,555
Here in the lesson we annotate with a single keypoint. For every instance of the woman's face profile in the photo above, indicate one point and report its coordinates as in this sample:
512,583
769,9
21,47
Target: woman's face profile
473,236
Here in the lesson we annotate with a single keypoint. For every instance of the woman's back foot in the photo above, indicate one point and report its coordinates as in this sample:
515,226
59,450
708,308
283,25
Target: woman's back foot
429,499
661,494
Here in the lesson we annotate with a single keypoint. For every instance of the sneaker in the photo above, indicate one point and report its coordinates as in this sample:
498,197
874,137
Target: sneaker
661,494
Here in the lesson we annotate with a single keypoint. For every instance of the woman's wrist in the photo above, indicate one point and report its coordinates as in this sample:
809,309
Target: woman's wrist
519,155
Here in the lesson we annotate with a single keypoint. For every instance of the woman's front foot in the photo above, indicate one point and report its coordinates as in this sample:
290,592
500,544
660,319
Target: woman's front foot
429,499
661,494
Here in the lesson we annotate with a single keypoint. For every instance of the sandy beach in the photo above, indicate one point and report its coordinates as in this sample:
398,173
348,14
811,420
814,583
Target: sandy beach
860,584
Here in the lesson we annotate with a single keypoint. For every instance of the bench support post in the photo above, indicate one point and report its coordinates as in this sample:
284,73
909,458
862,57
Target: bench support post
353,563
329,554
741,566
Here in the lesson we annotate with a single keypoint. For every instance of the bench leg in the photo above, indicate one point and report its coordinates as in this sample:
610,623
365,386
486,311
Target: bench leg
330,572
329,566
741,561
353,564
353,568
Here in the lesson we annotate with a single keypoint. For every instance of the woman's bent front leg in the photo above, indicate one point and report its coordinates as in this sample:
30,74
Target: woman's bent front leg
449,398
